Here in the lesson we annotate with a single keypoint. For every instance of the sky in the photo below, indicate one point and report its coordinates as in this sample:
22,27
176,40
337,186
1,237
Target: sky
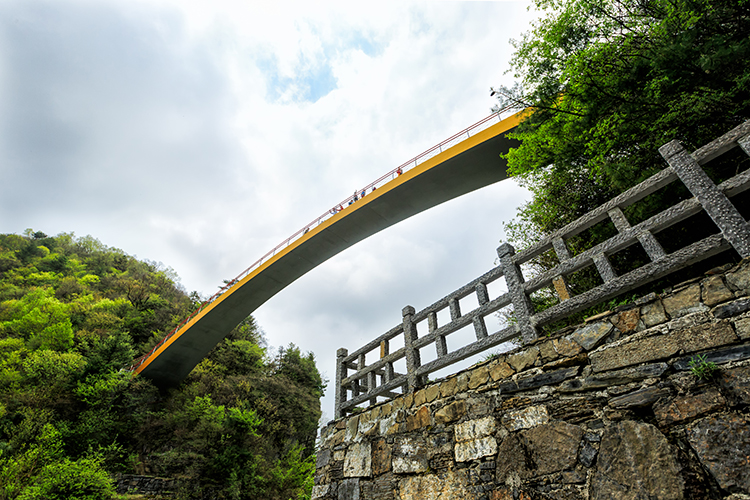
201,134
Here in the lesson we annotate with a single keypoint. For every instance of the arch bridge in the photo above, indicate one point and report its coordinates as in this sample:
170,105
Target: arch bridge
462,163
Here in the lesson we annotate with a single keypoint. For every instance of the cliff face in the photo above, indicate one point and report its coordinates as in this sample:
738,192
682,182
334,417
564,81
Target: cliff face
621,407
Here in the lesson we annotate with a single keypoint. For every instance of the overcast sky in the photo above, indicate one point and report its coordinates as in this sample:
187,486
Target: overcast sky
201,134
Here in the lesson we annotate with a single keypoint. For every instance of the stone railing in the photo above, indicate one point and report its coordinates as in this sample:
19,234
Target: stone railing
379,379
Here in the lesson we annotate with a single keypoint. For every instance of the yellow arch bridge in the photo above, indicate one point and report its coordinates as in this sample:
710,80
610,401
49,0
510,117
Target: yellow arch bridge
462,163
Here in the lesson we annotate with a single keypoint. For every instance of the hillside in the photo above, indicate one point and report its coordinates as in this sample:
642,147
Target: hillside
73,313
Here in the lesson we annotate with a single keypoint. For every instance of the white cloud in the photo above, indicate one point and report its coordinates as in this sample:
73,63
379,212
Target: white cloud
201,134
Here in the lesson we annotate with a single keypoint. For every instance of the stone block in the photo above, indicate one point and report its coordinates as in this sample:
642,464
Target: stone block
501,369
352,428
552,447
587,455
381,457
419,398
462,382
348,489
321,491
479,376
719,356
683,408
524,359
525,418
580,359
409,456
432,392
381,488
475,448
473,429
322,458
736,384
714,291
685,301
448,388
453,485
358,461
734,308
389,424
418,419
547,351
644,349
742,328
566,347
536,381
653,313
636,461
627,321
616,377
722,443
636,399
450,412
590,335
740,279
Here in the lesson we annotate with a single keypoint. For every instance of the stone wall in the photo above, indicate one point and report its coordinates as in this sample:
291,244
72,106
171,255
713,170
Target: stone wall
607,410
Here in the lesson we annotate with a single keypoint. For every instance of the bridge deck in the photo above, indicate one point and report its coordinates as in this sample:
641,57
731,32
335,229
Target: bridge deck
470,164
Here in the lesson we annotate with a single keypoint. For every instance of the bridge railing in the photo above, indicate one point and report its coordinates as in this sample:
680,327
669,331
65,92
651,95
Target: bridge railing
466,133
378,378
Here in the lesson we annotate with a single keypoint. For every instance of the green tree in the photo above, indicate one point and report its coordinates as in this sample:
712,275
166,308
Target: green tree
609,81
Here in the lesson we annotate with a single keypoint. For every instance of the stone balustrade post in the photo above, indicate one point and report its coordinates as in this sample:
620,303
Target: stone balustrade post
521,304
341,374
725,215
413,360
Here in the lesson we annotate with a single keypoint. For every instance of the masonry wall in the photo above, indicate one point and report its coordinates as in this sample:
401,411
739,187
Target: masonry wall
606,410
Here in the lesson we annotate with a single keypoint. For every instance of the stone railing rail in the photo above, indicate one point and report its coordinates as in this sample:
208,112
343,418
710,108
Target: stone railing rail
378,379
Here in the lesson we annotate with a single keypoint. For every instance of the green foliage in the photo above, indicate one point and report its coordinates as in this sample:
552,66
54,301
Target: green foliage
701,368
610,81
73,313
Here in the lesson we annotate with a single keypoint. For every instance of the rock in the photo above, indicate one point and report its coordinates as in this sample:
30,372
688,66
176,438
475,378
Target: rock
409,456
448,388
500,370
683,302
381,457
322,458
476,448
635,461
478,377
453,485
419,398
633,351
719,356
352,426
450,412
590,335
740,279
388,425
627,321
742,328
547,351
472,429
684,408
587,455
419,419
322,491
734,308
653,314
616,377
566,347
525,418
723,446
715,292
580,359
535,381
432,393
639,398
348,489
552,447
736,385
381,488
358,461
524,359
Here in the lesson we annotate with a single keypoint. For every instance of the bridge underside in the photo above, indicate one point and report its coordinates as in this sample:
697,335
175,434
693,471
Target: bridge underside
467,166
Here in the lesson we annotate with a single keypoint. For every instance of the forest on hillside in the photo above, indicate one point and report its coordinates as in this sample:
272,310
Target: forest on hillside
73,314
